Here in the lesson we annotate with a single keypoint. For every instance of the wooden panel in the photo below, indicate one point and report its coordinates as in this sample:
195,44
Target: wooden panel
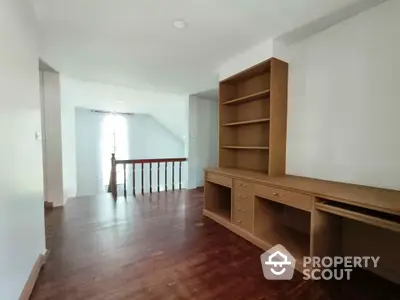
252,135
383,200
269,226
253,85
243,202
243,219
388,222
360,239
219,179
248,98
218,200
252,159
278,116
227,158
248,122
251,111
241,184
227,92
297,200
297,219
325,234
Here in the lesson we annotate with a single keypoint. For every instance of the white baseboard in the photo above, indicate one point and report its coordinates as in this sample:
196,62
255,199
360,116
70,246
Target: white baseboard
30,283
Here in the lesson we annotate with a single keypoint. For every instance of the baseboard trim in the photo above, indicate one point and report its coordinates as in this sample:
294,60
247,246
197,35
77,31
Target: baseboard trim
48,205
30,283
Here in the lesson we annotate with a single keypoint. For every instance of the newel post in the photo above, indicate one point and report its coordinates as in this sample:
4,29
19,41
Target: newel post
112,188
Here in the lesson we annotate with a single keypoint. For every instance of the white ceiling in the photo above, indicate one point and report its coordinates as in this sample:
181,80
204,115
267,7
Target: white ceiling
133,43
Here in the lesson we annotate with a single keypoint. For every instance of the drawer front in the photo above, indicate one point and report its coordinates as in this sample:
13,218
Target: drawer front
297,200
242,185
243,195
243,219
242,189
219,179
243,202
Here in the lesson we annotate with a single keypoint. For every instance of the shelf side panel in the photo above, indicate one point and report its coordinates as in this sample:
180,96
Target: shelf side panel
278,117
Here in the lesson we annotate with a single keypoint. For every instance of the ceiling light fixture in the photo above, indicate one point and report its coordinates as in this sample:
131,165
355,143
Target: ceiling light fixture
179,24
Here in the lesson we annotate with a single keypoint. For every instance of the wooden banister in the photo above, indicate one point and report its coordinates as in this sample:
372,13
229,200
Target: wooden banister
142,162
147,161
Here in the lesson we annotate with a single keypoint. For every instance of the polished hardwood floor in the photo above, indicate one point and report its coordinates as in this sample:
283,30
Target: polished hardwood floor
160,246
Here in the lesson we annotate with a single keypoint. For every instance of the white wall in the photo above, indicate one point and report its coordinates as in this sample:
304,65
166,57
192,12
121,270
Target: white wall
203,138
88,152
168,109
146,138
207,136
51,132
21,177
244,60
171,110
343,100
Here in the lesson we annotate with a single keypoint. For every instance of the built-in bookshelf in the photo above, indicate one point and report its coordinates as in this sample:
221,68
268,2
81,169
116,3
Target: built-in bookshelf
253,106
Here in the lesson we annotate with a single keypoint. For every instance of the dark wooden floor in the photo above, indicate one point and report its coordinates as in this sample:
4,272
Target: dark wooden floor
161,247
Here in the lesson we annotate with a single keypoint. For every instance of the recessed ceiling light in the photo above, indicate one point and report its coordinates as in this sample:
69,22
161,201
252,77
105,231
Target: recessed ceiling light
179,24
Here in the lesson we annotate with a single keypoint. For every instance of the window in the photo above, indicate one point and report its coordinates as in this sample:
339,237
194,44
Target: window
114,139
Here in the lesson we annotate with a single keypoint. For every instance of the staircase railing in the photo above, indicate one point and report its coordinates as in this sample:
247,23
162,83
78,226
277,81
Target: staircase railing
113,186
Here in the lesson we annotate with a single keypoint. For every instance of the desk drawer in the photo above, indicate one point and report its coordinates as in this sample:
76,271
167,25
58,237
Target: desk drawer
243,189
297,200
219,179
243,185
243,219
243,203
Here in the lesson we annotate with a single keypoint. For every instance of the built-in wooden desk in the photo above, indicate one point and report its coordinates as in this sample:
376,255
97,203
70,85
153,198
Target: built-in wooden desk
309,217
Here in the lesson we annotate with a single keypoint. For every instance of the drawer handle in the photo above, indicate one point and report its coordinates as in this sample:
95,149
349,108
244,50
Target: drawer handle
241,209
239,222
243,197
276,194
243,184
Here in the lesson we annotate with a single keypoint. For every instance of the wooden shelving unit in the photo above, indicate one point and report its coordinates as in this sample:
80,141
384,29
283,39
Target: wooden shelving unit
252,111
251,196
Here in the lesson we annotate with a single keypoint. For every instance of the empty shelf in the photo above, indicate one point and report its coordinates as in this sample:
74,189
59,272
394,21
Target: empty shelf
259,121
248,98
246,147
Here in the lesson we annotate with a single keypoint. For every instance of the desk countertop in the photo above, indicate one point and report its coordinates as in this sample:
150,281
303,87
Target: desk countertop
384,200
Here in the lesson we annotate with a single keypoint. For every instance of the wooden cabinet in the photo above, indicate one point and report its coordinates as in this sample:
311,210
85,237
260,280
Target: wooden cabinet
250,194
299,214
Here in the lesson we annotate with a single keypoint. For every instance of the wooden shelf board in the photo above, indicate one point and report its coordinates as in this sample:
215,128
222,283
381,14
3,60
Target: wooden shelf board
245,147
296,242
221,213
258,121
248,98
363,218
